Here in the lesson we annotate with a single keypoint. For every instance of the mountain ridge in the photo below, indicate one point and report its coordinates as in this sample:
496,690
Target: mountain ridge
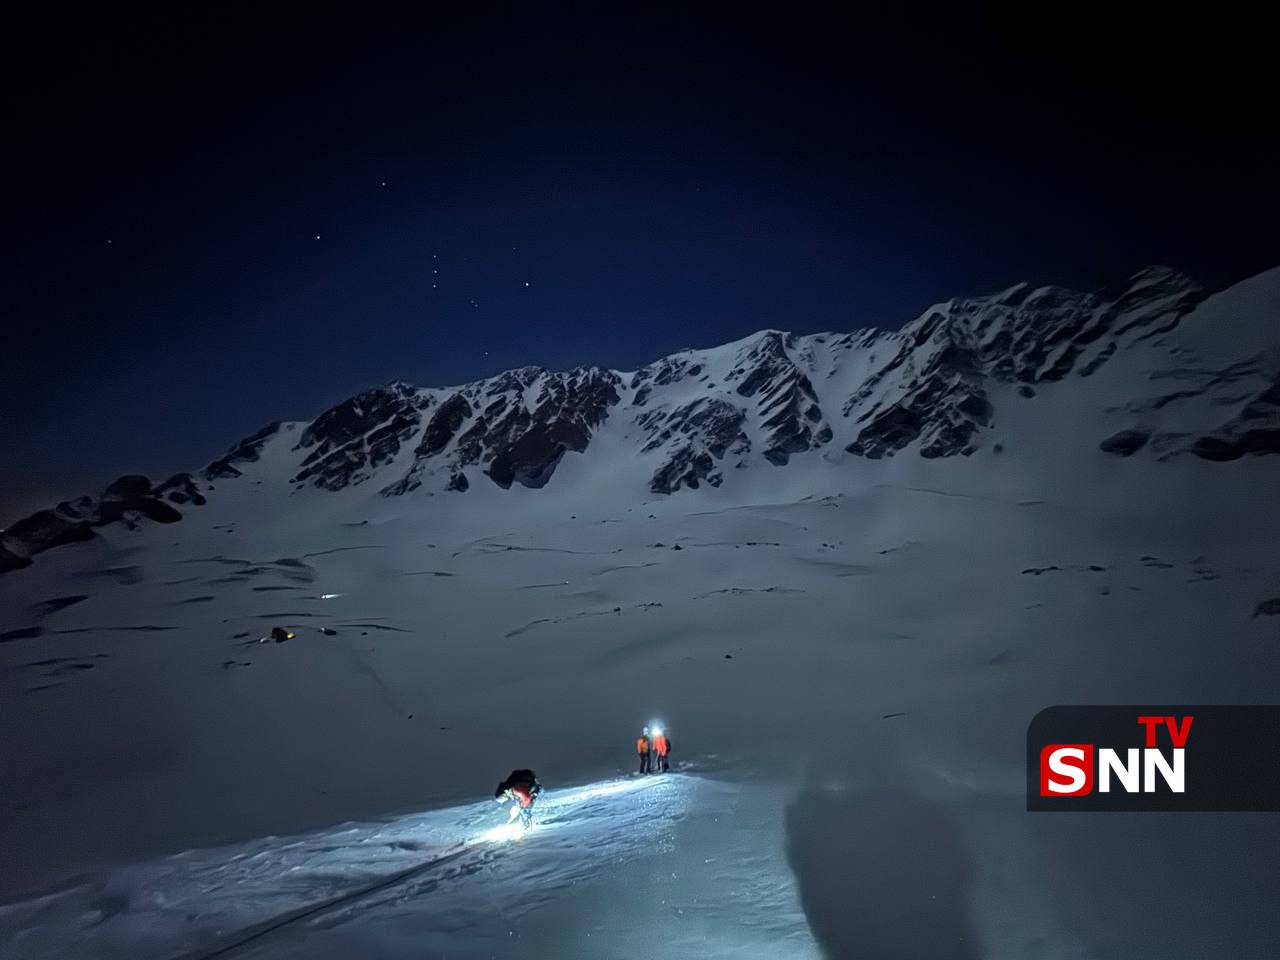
934,386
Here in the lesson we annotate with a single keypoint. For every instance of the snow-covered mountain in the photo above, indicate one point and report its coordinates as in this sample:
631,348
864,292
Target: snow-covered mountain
845,570
1153,364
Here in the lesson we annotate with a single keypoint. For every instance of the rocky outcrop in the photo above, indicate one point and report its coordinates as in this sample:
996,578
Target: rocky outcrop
1209,388
931,392
663,373
933,389
697,435
349,442
1254,430
181,488
515,427
129,500
10,560
246,451
1125,442
785,399
686,467
444,424
132,495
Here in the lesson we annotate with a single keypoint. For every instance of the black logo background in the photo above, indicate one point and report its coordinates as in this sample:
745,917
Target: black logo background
1232,760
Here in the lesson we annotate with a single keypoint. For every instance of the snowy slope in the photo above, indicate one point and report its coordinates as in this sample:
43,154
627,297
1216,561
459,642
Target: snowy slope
846,643
452,883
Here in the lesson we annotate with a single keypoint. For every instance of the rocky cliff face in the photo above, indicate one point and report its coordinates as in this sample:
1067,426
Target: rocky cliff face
933,388
1194,377
348,443
514,427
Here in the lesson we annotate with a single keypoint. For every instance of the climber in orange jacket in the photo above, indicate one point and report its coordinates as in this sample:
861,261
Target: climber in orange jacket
644,748
661,747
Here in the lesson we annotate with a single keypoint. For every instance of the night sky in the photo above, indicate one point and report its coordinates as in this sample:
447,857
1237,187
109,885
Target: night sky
212,224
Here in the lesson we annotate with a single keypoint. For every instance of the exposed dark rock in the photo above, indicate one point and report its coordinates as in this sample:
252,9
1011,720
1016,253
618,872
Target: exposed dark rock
458,482
10,560
181,488
129,499
131,487
357,436
1254,430
785,398
246,451
935,378
22,633
444,425
132,495
533,457
1268,608
46,607
1102,357
685,468
46,529
527,420
661,373
891,430
1125,442
705,429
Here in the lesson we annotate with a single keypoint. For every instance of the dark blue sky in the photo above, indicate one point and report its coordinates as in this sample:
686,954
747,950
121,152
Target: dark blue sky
589,191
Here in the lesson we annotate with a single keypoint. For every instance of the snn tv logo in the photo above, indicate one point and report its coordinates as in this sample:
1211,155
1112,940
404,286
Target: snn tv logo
1067,769
1148,758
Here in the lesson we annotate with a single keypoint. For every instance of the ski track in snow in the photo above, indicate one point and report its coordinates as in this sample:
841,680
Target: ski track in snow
449,882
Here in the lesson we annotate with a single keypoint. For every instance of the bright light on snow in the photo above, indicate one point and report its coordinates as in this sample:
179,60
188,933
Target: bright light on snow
503,834
601,790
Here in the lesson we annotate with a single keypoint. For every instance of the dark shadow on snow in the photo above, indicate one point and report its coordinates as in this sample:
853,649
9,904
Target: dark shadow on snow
881,876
